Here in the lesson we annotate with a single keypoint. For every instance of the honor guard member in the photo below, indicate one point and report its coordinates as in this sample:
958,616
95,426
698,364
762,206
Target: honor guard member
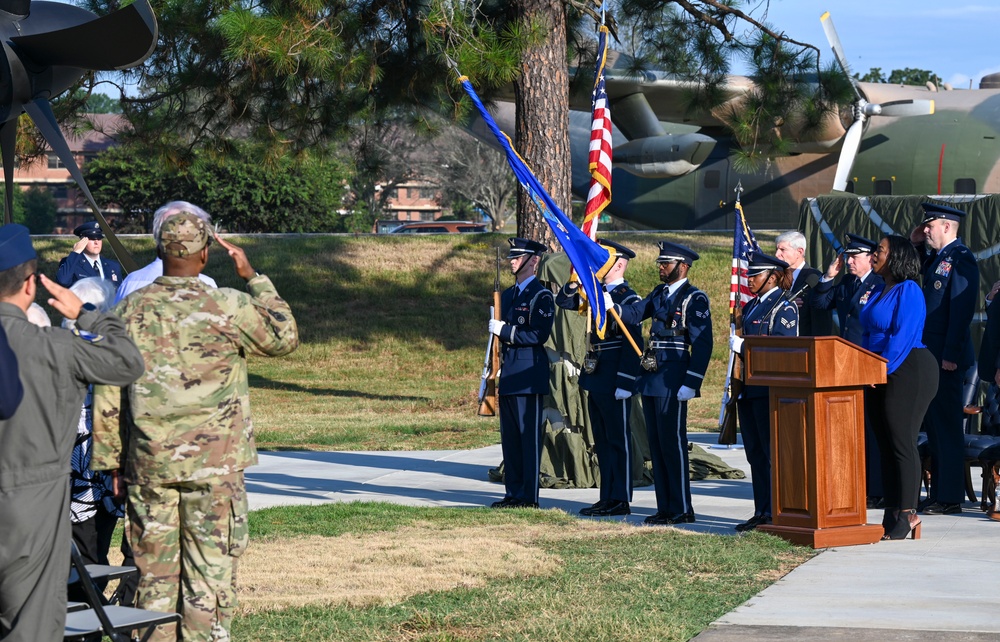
674,364
951,292
526,315
36,443
791,248
769,313
85,260
609,375
848,297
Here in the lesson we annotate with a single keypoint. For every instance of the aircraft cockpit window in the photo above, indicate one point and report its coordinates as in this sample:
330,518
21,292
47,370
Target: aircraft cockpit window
965,186
712,177
883,188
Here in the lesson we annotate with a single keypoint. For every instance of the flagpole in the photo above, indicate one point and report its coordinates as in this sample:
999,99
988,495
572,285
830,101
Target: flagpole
727,420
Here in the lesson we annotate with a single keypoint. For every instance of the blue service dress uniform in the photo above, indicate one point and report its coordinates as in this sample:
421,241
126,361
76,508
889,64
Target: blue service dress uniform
951,291
528,313
848,297
768,315
813,321
616,366
76,266
989,351
680,337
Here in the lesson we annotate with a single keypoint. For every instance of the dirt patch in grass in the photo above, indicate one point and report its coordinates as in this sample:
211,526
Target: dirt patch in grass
388,567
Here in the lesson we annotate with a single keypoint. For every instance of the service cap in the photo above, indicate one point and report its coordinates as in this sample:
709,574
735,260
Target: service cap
858,244
90,229
675,252
620,250
933,211
760,262
522,247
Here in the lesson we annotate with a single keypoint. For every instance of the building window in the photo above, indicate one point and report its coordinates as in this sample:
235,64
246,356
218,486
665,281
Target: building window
965,186
428,193
55,162
883,187
60,192
427,216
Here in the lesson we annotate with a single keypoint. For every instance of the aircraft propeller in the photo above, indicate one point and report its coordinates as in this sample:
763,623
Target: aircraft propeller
863,109
46,48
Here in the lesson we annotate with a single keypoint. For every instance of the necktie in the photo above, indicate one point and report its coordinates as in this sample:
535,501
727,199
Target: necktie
97,267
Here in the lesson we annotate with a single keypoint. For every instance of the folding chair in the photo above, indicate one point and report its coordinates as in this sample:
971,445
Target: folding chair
116,622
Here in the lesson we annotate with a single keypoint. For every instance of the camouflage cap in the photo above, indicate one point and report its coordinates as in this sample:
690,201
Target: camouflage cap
183,234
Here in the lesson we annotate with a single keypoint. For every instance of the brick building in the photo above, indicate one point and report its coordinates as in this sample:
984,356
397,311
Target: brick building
50,173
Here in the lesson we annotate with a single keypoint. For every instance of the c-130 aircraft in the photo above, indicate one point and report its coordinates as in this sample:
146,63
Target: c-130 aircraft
673,171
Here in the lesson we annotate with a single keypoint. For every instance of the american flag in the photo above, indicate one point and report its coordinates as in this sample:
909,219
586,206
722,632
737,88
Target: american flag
600,144
744,244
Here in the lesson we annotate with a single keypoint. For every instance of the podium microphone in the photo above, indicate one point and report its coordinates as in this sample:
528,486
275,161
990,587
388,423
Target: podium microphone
811,282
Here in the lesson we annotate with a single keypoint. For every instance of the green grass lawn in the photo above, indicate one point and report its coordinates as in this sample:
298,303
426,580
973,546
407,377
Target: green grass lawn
393,331
590,581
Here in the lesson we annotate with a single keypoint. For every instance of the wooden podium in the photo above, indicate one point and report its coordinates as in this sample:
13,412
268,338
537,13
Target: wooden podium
817,436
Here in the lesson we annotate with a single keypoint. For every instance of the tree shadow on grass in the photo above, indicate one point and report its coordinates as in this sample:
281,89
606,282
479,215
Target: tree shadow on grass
257,381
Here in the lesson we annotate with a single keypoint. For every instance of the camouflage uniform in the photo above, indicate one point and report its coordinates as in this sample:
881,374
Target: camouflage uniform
187,438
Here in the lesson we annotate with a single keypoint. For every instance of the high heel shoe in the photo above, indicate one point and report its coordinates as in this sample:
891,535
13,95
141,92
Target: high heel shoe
907,525
889,518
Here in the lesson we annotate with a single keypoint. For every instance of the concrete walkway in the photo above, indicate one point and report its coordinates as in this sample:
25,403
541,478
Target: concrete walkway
941,587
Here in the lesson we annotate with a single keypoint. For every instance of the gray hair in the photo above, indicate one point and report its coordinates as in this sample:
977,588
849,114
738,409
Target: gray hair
176,207
795,239
36,314
94,290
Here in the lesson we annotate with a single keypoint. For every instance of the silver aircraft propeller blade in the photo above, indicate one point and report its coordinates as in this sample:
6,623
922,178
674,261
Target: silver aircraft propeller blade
900,108
838,50
41,113
849,150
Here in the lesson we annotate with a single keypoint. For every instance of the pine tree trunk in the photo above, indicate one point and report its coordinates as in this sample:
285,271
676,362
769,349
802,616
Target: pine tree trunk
541,95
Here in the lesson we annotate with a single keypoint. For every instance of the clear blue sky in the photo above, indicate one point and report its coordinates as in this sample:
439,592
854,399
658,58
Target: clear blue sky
956,39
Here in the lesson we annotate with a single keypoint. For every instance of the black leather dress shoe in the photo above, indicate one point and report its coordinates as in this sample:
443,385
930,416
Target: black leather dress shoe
938,508
613,509
753,523
924,503
525,505
588,511
506,502
662,519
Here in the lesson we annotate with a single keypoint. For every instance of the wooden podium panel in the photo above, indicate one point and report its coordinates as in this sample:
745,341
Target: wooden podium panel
817,436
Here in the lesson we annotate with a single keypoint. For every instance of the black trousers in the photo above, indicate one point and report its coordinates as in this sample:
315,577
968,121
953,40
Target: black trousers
609,419
755,426
946,437
521,442
896,410
666,429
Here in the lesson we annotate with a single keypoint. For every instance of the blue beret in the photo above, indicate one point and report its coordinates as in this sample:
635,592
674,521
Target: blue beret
620,251
760,262
857,244
675,252
15,246
522,247
933,211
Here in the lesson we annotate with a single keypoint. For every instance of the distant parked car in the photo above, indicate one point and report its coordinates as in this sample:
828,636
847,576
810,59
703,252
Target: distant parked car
440,227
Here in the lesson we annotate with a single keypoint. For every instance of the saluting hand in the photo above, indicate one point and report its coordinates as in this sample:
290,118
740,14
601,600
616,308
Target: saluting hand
81,245
240,260
835,267
63,300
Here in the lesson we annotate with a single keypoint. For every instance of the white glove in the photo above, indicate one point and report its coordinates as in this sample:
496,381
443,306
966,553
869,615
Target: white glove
496,325
685,394
608,301
621,394
736,344
571,368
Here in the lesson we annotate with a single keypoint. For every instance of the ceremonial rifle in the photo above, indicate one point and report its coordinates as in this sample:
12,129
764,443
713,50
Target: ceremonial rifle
488,401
